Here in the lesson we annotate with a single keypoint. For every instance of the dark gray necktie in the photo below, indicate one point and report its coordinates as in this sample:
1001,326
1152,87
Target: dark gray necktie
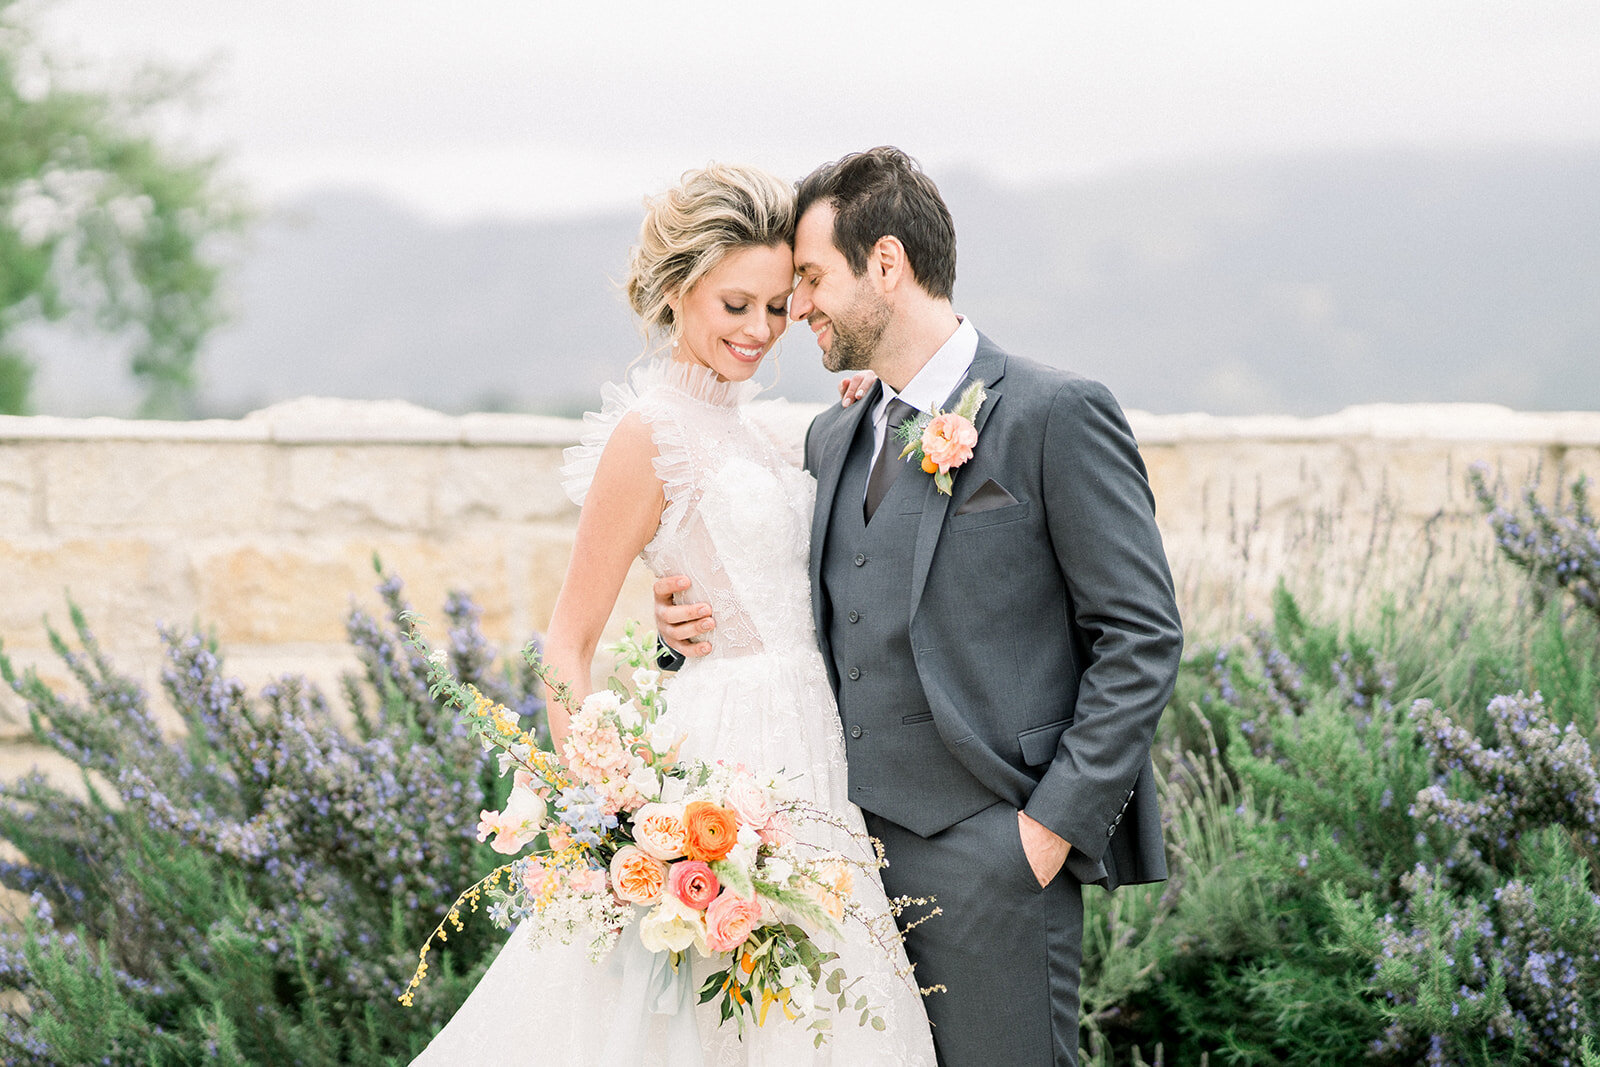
888,465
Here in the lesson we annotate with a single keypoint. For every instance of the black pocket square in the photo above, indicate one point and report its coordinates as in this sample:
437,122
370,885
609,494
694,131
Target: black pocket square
990,495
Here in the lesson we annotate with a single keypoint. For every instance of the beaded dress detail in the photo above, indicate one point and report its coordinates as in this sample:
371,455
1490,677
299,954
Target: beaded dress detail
737,523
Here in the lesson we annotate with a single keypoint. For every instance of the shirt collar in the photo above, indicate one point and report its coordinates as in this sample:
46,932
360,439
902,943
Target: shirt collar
938,378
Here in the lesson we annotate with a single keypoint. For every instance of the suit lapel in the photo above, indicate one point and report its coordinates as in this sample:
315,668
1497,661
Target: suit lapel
830,465
988,366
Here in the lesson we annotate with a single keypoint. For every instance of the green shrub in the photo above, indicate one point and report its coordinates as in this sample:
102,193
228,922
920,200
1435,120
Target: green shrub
255,890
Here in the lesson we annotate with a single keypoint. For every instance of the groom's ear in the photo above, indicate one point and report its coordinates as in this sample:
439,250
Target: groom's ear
887,263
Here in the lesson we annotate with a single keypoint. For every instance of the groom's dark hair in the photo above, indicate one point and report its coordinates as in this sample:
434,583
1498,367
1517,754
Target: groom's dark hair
882,192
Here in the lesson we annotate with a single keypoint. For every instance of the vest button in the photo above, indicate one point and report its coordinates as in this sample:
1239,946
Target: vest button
860,559
855,731
855,673
854,616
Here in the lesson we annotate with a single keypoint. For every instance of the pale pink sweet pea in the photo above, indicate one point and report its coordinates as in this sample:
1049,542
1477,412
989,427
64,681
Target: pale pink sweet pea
729,920
517,825
948,440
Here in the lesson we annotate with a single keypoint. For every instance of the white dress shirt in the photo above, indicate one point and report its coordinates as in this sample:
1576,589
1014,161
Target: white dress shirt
931,385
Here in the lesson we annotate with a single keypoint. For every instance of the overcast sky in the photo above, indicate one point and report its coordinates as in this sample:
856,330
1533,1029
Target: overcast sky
532,108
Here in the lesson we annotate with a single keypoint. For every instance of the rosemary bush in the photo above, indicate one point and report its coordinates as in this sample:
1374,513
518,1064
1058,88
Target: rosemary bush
1383,838
253,891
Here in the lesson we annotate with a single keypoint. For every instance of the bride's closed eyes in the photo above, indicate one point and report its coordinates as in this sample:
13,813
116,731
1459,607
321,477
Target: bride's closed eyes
781,309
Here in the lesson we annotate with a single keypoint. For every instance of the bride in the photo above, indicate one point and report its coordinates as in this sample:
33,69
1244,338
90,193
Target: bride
679,467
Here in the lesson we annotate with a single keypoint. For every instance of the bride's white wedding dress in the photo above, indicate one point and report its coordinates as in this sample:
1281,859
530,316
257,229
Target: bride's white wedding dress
737,523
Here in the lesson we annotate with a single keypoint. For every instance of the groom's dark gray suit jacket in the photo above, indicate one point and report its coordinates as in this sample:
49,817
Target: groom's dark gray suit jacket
1043,626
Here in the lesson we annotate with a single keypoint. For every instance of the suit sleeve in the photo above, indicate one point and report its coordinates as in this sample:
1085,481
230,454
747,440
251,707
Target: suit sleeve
1101,520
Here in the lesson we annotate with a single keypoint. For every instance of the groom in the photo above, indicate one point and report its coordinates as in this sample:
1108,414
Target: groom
1001,654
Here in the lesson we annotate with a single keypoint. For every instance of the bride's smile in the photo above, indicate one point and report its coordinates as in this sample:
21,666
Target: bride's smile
734,315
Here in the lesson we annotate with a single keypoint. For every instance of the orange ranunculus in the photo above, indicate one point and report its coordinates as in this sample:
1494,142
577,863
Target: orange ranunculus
637,876
709,832
948,440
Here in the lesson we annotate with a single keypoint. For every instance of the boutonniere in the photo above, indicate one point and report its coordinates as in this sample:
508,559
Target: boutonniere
941,441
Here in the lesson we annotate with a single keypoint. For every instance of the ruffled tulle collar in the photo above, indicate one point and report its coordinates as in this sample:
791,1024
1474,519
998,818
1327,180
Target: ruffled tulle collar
695,381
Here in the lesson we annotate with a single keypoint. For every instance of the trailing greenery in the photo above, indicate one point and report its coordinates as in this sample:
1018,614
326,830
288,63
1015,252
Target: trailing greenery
253,891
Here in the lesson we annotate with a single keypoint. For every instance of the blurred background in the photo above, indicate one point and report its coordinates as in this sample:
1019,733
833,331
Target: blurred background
1241,206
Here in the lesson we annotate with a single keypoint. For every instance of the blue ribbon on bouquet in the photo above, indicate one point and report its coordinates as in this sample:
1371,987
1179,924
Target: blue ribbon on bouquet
660,999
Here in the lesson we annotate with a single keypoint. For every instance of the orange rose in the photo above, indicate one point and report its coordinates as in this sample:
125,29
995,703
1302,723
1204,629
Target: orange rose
948,440
709,832
637,876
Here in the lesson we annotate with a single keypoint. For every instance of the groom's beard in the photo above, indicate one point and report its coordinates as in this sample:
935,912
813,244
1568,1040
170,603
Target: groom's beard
856,336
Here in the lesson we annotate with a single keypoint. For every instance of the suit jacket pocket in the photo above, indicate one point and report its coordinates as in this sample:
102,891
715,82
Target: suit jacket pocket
1039,744
992,517
990,495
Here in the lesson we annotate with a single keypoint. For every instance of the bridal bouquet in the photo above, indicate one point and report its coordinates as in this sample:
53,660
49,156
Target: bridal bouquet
697,856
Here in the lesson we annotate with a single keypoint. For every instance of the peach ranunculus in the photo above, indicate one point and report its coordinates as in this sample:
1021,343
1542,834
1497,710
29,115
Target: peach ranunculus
658,829
637,876
709,831
948,439
729,920
694,883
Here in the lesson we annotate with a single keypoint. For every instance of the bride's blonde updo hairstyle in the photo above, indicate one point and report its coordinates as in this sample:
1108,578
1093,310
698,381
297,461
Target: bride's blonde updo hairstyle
690,227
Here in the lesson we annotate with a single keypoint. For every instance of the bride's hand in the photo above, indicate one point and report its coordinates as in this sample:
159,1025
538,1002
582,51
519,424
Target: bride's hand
855,387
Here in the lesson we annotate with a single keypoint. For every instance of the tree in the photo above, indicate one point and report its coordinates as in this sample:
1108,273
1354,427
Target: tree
102,225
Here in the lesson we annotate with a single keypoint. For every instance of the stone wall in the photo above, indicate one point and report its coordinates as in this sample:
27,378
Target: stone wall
264,529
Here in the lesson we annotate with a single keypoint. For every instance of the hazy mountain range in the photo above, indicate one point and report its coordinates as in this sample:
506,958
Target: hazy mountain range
1296,286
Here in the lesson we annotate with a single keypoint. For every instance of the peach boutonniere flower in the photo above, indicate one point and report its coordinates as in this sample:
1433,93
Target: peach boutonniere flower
941,441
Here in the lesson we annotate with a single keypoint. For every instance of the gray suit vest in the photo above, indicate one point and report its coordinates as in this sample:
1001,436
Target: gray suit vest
900,767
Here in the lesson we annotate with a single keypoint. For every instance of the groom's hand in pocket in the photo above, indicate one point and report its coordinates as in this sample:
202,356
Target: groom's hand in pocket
682,627
1046,850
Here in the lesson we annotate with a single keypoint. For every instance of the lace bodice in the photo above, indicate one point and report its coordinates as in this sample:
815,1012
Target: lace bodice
737,521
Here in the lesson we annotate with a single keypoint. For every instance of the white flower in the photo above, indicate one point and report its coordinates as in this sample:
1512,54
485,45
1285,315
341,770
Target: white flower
748,836
601,701
628,715
802,994
779,870
439,657
671,926
646,680
645,781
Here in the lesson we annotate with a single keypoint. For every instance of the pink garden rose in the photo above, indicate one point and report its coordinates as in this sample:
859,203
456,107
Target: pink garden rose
948,440
729,920
778,831
694,883
750,801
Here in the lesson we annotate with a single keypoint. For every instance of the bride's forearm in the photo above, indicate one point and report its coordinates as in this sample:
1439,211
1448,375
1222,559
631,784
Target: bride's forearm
568,661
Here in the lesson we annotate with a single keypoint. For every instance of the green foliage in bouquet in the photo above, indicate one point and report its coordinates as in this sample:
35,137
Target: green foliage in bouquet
252,890
1383,838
